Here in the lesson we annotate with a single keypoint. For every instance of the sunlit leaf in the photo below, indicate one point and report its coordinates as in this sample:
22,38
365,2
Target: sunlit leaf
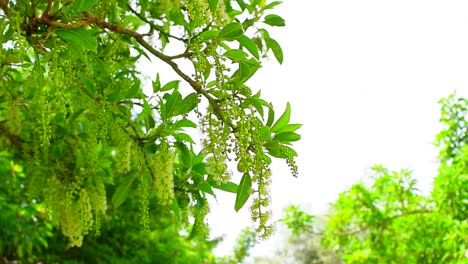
287,137
276,48
170,85
274,20
249,44
231,31
283,120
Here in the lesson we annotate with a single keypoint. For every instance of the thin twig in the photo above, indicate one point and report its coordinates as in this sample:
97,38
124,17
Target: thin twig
153,25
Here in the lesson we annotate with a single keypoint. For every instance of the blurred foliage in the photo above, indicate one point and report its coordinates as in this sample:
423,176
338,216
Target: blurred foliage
24,229
245,242
387,220
27,233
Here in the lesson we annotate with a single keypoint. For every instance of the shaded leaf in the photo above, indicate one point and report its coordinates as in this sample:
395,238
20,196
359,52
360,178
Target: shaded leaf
83,5
243,192
88,84
122,191
271,116
175,210
80,37
213,5
170,85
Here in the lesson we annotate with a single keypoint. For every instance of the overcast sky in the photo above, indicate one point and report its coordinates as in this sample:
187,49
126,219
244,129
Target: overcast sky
365,78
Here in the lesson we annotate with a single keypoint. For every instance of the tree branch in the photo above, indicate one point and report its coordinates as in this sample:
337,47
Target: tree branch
47,10
89,19
153,25
14,139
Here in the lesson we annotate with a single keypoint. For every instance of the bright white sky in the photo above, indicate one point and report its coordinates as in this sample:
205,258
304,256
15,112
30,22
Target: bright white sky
364,77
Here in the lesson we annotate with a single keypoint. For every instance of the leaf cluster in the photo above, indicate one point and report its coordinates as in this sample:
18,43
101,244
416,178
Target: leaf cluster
93,132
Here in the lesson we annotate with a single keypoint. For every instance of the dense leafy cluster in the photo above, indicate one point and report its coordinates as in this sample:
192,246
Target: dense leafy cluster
387,220
89,129
451,186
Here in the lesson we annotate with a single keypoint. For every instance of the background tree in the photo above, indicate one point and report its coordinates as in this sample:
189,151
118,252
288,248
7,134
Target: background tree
301,243
387,220
93,134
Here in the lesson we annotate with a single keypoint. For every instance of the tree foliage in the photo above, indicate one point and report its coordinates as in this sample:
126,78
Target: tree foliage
92,132
387,220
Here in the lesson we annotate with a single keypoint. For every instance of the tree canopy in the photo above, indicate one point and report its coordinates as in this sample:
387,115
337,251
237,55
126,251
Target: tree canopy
88,133
386,219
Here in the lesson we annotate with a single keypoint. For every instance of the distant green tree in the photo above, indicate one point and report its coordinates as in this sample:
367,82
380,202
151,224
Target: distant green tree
387,220
245,242
301,244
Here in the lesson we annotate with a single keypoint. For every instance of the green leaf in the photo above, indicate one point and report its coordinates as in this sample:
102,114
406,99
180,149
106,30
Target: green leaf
122,191
148,115
227,187
236,55
249,44
206,188
7,34
241,57
213,5
271,116
280,151
176,210
265,132
283,120
244,72
276,48
241,4
83,5
287,137
184,137
256,102
243,192
188,104
172,102
274,20
170,85
231,31
185,123
88,84
79,36
271,5
290,128
134,91
157,84
208,35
